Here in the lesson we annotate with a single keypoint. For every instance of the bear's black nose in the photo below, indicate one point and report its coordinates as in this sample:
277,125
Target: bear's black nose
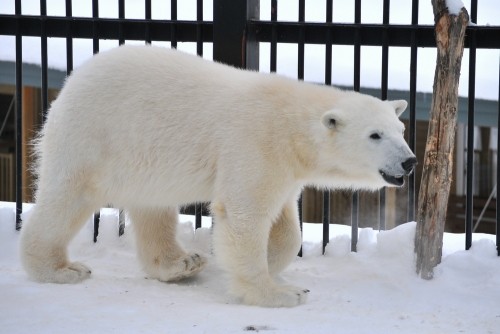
409,165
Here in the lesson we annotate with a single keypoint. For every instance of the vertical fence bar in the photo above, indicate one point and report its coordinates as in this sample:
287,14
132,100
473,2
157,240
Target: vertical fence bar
69,38
121,41
385,50
121,223
384,89
301,44
274,35
198,212
357,84
147,16
326,219
199,30
328,81
97,217
95,26
44,61
95,50
469,200
498,167
328,46
19,119
300,76
354,222
173,18
412,138
121,16
357,46
299,204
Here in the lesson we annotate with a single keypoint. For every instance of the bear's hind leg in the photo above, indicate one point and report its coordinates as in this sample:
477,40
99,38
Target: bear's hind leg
45,237
284,239
158,250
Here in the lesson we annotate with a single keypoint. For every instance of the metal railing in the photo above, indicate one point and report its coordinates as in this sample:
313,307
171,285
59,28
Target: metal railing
236,31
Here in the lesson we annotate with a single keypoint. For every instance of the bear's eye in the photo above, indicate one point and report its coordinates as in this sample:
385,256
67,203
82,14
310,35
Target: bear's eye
331,123
375,136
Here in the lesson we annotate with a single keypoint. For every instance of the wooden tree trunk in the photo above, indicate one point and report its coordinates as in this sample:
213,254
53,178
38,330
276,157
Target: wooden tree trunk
438,160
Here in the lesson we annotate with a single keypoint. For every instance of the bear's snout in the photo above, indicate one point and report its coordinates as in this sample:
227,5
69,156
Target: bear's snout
409,165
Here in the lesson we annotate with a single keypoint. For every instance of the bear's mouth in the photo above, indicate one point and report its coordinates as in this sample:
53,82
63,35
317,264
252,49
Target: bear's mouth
397,180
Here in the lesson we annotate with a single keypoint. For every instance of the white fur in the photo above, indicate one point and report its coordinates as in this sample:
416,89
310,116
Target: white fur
149,129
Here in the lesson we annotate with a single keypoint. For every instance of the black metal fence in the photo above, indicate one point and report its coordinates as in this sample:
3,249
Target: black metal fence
236,33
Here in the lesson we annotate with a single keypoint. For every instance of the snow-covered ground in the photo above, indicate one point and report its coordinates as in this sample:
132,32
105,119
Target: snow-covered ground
374,290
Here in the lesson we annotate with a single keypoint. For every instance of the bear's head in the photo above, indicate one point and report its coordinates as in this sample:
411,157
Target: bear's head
362,145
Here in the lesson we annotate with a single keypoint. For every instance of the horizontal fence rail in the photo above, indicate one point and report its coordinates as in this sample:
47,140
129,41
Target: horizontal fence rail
106,28
235,33
368,34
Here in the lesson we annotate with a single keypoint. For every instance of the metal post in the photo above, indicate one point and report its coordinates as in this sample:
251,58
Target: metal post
232,45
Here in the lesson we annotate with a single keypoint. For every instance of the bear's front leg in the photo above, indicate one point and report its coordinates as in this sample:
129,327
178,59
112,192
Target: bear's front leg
241,247
159,252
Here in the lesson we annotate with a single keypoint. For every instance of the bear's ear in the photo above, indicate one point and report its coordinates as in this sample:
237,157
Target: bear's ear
330,119
399,106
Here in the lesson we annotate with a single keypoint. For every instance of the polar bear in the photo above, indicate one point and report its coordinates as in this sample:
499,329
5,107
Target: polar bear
150,129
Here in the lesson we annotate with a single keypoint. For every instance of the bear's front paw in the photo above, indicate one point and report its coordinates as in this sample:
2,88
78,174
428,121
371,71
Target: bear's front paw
272,295
74,272
184,267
